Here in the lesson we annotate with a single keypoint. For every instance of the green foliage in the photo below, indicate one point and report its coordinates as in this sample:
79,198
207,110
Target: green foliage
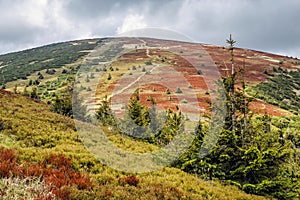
56,86
104,114
137,112
189,160
21,64
172,126
69,104
62,105
34,94
41,137
30,82
87,78
148,63
109,77
178,91
144,123
250,152
136,120
168,91
258,154
280,90
263,161
50,71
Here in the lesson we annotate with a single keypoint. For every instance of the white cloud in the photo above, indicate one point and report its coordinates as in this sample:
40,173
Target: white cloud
131,22
33,12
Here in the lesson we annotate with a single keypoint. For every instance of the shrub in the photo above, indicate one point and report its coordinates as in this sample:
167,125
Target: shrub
109,77
148,63
2,126
56,171
50,71
131,180
168,91
178,91
249,188
8,162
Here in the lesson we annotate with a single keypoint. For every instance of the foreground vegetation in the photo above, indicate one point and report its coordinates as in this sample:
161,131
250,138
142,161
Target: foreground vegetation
43,148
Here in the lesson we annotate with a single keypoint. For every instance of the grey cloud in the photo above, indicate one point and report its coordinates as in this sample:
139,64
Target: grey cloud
263,24
15,31
89,10
270,26
257,24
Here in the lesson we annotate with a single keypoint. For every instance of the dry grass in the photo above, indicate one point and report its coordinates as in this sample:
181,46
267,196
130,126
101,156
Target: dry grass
36,133
15,188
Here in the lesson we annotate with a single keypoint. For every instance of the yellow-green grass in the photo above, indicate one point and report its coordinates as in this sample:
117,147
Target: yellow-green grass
36,133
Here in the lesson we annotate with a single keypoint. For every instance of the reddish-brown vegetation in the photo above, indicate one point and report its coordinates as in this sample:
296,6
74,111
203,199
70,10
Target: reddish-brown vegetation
56,171
130,180
261,107
195,64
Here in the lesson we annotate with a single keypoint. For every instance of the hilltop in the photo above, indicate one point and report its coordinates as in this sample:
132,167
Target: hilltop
53,67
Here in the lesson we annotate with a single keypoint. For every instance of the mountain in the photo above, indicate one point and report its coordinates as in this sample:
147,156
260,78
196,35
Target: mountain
165,87
53,66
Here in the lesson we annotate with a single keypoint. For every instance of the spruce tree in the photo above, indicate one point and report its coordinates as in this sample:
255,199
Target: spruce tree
250,153
104,113
231,82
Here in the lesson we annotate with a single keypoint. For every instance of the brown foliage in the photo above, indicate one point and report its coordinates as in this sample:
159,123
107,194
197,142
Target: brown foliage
130,180
55,170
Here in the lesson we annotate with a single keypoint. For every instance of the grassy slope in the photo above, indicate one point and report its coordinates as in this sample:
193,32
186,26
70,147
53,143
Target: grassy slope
35,132
20,67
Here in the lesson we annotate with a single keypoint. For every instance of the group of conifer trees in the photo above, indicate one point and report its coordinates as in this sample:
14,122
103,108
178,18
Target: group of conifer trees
251,152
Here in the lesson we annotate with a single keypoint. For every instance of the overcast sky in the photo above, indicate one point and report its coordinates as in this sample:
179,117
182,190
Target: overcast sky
268,25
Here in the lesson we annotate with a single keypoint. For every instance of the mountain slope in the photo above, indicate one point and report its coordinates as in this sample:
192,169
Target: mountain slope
51,68
21,64
35,132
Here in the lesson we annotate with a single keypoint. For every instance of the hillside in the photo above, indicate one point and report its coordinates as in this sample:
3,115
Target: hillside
51,68
36,133
218,131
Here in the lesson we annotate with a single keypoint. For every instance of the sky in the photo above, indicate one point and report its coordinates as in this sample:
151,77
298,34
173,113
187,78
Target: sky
265,25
